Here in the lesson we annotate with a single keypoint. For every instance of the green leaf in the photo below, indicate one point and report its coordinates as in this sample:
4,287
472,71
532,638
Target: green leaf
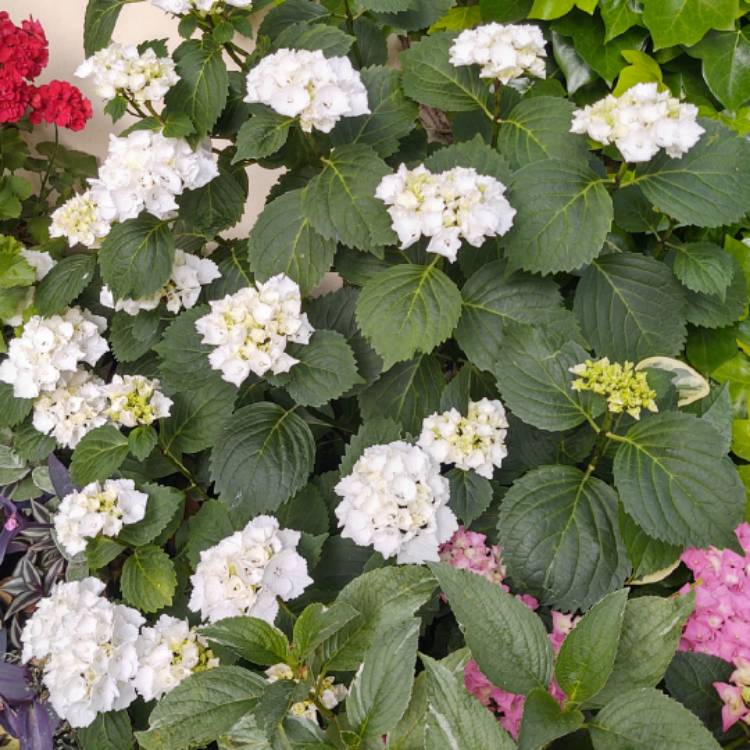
550,525
651,632
647,555
456,719
163,503
262,457
340,202
375,431
407,393
391,115
430,78
457,19
148,579
31,444
606,59
99,23
676,482
15,271
491,298
549,9
587,656
136,257
726,66
218,205
618,17
384,6
326,370
544,720
262,135
408,309
690,680
471,494
703,267
67,279
564,213
101,550
474,153
385,597
630,306
712,312
686,21
330,40
422,13
506,638
201,708
505,11
131,336
141,441
307,511
288,13
111,730
250,638
380,691
533,375
12,410
202,90
646,719
183,362
99,454
539,128
206,528
197,417
283,241
318,623
336,311
707,187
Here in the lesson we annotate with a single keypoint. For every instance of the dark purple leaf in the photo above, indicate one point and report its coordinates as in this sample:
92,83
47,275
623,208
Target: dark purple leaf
37,726
14,683
59,476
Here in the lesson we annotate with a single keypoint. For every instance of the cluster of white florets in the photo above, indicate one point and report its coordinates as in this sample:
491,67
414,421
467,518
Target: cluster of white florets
75,407
640,122
505,52
305,84
325,691
244,573
98,509
50,347
252,327
396,500
189,274
180,7
121,70
136,400
459,204
42,263
143,171
80,221
88,647
168,653
475,442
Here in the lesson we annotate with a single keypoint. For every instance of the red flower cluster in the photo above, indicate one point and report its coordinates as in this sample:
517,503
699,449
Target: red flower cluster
23,55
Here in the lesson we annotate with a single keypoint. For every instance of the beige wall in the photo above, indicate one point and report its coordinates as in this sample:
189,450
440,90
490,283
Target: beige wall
63,24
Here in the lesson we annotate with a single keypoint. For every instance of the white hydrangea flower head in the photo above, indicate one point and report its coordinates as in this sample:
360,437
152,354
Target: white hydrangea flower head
252,327
305,84
76,406
504,52
245,572
80,221
48,347
136,400
396,500
42,263
123,70
169,652
98,509
325,690
455,205
146,171
640,122
475,442
88,645
189,274
180,7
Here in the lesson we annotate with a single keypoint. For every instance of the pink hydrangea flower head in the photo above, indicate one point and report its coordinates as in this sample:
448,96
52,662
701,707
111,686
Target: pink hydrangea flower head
468,550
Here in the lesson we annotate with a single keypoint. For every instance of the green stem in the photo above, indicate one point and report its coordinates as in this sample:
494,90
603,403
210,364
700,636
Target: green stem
153,112
350,31
600,446
42,194
185,473
496,121
228,49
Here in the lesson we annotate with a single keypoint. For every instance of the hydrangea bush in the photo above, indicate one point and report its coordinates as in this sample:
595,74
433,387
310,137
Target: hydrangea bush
486,486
